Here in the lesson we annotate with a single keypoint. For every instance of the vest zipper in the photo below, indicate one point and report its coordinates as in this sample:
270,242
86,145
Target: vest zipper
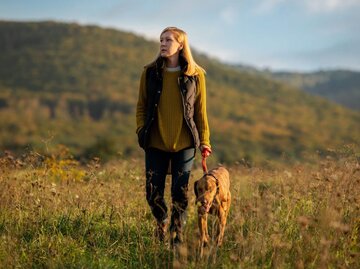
184,114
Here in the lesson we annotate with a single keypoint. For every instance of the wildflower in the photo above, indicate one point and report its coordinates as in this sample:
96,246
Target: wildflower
303,221
339,226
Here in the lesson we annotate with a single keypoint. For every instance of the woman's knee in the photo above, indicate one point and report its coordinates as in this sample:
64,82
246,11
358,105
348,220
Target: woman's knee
179,195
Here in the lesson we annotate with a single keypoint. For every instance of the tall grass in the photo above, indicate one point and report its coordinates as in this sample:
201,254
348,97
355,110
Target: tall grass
56,213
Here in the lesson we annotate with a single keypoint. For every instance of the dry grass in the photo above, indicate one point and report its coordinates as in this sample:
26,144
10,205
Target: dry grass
55,213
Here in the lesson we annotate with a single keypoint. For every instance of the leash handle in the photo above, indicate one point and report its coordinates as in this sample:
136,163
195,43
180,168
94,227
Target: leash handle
205,153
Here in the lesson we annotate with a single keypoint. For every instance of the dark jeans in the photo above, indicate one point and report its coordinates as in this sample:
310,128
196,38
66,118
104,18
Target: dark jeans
157,163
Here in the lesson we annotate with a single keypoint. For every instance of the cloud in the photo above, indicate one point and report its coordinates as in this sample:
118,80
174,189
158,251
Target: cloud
266,6
315,6
229,15
343,54
330,5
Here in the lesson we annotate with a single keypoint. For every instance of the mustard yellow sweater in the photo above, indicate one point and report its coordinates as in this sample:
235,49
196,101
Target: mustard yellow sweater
170,131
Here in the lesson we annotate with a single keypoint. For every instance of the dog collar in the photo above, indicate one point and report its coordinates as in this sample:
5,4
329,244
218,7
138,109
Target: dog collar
216,182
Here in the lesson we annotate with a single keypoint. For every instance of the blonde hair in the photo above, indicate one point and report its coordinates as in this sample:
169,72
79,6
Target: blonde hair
181,37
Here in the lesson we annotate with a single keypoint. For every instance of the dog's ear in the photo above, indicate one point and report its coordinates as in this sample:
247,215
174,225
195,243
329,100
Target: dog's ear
195,190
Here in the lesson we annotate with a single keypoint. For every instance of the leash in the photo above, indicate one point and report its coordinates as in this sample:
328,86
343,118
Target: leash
204,167
205,153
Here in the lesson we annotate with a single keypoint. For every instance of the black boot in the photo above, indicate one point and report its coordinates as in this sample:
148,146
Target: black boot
176,229
160,230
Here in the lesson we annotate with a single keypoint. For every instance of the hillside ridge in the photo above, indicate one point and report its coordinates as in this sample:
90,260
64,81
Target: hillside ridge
77,86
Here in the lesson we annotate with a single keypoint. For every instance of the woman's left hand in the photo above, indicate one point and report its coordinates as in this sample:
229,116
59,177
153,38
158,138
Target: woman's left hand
205,151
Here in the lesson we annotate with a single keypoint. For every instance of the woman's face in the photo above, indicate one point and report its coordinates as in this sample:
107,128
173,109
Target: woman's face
168,45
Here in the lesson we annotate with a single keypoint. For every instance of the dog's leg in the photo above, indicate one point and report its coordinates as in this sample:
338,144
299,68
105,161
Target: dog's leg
202,222
221,227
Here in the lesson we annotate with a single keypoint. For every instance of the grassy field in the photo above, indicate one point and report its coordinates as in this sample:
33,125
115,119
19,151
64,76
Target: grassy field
56,213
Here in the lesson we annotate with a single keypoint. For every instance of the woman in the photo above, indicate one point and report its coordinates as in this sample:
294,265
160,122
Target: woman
171,123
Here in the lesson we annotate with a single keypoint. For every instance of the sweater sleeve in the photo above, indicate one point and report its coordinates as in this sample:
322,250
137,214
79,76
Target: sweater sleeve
200,114
141,103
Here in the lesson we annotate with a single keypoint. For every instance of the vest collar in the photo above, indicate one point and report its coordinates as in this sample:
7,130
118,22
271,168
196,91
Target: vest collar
160,65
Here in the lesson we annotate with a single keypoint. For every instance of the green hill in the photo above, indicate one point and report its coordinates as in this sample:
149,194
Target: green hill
77,85
340,86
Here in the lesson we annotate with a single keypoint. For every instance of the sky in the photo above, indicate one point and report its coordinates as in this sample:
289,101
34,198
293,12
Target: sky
281,35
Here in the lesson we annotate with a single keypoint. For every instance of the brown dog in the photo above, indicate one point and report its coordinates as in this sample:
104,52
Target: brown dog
213,196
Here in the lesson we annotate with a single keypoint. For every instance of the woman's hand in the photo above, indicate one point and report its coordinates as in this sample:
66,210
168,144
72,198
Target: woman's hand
205,151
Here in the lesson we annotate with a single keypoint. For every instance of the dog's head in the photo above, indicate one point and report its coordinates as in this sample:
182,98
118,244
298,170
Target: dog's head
205,190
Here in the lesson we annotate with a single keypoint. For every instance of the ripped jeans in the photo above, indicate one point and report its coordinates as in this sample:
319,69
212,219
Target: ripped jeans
157,163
